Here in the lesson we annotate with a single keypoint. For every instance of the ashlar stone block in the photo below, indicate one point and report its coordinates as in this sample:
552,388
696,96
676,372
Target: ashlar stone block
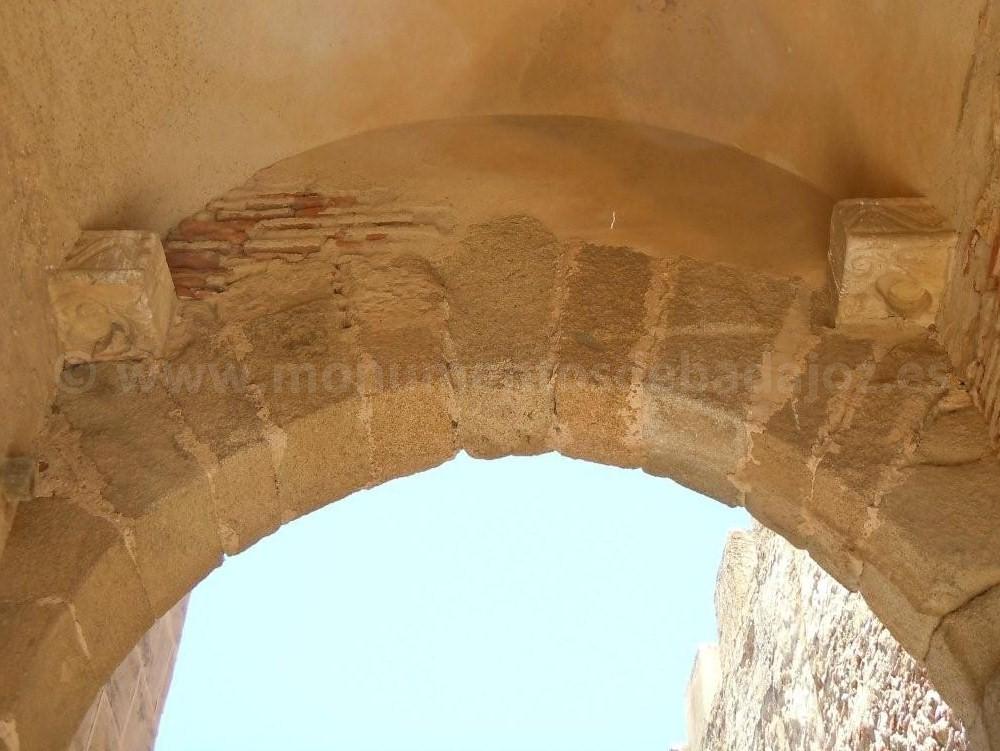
113,298
888,258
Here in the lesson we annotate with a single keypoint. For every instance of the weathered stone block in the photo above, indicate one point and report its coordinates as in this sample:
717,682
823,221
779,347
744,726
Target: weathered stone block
597,377
164,497
113,298
502,295
228,438
46,683
912,628
18,474
780,478
883,412
693,443
397,306
888,257
937,536
720,325
964,654
326,458
305,361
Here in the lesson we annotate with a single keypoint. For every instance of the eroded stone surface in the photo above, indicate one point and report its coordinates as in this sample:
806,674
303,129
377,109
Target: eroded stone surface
112,297
716,326
888,257
154,489
806,665
502,293
611,295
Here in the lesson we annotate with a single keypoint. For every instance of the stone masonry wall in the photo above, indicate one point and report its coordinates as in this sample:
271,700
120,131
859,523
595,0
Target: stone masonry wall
971,327
806,666
126,713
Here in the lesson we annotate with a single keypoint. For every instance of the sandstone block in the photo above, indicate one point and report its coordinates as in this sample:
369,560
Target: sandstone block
696,444
502,294
602,322
113,298
779,480
911,627
718,324
964,656
134,437
888,257
46,683
955,437
305,361
937,538
228,438
326,457
883,412
399,309
411,428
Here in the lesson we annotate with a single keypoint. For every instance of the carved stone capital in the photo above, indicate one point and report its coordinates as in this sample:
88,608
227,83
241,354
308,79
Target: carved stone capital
113,297
888,258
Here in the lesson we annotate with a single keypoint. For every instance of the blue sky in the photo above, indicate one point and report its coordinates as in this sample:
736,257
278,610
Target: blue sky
523,604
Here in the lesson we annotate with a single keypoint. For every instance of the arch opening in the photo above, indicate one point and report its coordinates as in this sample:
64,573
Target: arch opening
515,603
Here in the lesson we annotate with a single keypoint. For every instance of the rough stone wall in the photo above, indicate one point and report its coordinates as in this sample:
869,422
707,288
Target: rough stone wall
701,692
971,325
126,713
807,666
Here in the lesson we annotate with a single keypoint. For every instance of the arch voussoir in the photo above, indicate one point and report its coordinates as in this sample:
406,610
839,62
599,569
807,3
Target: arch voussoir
502,283
398,308
717,324
154,489
964,662
610,307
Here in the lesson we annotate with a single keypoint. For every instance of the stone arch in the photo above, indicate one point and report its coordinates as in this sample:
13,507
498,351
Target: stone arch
366,336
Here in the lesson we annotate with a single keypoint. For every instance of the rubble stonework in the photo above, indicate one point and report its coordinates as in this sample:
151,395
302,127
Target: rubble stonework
806,665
